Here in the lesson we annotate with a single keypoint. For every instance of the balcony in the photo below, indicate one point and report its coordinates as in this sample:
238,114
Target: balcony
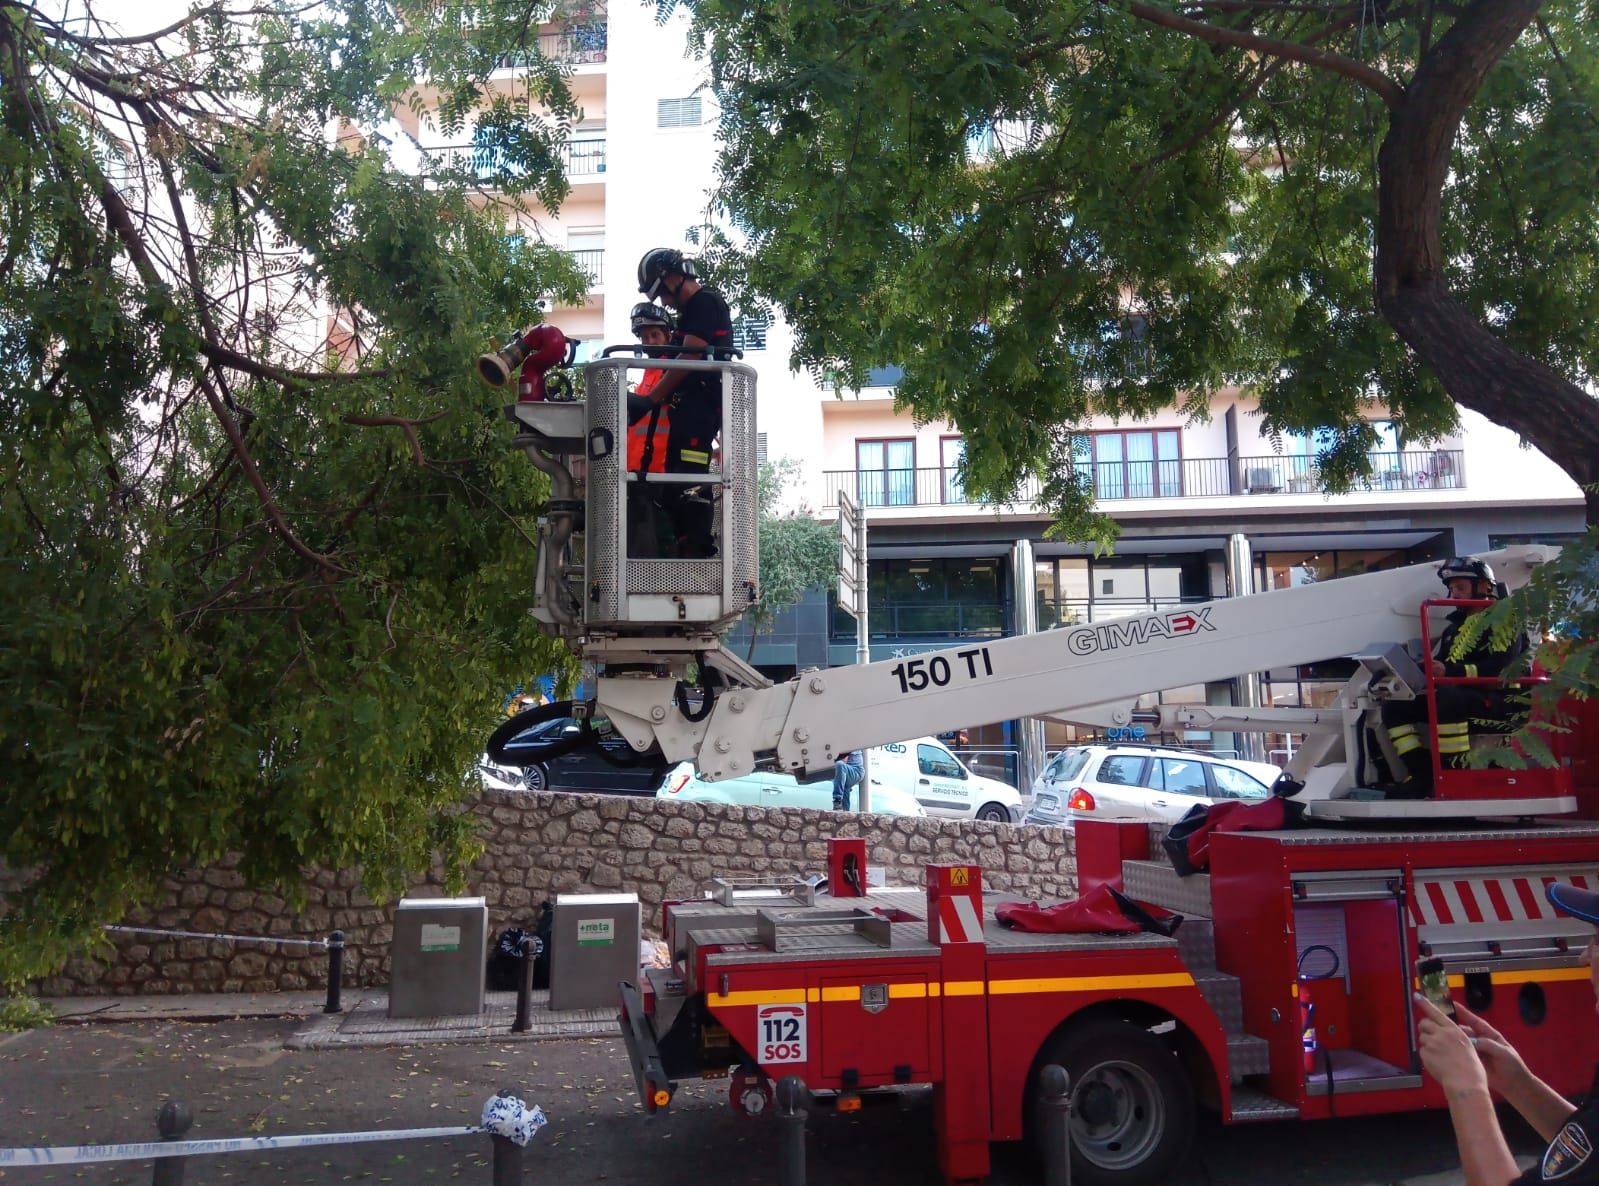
579,158
1192,477
575,45
583,158
592,261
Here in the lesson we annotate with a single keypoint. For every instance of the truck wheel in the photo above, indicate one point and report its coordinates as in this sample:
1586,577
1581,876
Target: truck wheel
994,813
1132,1106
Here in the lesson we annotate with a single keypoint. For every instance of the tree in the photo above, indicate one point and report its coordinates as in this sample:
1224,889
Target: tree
263,546
798,551
1048,210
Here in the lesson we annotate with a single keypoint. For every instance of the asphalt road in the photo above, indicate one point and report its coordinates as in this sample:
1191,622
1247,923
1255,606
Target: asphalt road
103,1083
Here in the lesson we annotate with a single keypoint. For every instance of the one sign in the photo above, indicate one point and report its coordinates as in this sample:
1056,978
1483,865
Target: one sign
596,932
851,558
437,938
781,1033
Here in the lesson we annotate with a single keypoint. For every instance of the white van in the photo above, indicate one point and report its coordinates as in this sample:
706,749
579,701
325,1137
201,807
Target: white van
940,782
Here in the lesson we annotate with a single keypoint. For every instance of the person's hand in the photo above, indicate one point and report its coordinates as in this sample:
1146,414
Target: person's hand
1504,1066
1438,667
1447,1053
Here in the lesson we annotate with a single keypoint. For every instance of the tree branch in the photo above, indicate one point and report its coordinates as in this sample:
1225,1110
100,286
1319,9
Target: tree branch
404,424
1385,88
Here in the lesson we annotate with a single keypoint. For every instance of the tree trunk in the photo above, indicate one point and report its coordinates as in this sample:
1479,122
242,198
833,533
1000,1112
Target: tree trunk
1477,369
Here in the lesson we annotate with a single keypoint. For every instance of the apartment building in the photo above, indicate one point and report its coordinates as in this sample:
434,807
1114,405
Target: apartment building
1206,509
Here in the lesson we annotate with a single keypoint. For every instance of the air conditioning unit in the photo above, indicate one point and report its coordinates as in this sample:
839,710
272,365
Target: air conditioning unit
1264,481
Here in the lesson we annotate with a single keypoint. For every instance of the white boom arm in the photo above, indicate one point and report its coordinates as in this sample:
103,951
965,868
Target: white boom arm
808,722
1168,718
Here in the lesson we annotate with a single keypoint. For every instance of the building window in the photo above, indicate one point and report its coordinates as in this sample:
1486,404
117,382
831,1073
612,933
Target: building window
885,473
888,376
1075,589
951,452
931,599
760,448
678,113
1134,464
749,333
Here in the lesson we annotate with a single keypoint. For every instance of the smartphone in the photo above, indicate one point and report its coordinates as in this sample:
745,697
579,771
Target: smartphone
1435,984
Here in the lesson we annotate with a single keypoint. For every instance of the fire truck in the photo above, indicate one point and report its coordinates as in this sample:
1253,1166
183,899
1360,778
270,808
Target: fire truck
1286,992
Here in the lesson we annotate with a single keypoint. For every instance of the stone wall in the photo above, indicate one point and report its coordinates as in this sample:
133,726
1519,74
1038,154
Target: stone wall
536,846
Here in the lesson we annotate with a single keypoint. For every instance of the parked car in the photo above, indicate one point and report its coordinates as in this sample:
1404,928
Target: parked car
771,788
1140,782
941,782
583,769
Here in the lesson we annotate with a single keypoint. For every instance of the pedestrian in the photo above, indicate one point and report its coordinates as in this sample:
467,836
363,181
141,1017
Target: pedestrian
704,330
1459,705
649,533
847,774
1472,1062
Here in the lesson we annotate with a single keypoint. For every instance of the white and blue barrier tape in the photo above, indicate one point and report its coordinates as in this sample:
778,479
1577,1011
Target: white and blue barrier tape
503,1116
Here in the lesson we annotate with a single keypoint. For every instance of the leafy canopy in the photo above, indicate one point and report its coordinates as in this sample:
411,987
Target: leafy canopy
1051,211
797,550
264,550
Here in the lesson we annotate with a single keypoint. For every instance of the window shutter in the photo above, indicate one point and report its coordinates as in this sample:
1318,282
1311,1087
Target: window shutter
678,113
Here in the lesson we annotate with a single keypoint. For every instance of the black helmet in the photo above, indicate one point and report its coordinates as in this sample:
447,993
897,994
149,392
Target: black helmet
659,262
1465,567
648,313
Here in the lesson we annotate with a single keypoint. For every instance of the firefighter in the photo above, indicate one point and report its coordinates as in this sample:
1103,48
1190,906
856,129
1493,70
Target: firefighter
1472,1063
1459,705
648,430
705,330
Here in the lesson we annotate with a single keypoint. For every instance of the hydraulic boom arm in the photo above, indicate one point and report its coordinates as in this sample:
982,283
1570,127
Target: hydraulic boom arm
805,724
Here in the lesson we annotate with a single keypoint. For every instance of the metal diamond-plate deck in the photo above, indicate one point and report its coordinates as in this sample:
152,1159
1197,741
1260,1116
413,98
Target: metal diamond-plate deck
368,1023
1249,1104
1159,884
1313,836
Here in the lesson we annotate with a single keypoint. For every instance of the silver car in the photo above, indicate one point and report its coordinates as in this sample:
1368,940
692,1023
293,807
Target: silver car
1140,782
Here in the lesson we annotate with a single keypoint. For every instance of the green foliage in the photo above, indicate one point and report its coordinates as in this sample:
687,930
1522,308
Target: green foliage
1559,607
798,551
254,605
23,1013
999,196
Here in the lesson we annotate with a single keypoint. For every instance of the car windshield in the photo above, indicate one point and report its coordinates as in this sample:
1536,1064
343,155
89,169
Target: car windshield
1068,763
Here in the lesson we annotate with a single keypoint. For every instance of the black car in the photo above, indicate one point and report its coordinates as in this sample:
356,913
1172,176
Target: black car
618,770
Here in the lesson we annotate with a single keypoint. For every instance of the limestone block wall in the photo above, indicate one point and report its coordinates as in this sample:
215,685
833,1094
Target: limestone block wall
536,846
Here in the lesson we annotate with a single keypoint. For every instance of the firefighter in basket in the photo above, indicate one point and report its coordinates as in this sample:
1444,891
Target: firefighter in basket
649,428
1459,705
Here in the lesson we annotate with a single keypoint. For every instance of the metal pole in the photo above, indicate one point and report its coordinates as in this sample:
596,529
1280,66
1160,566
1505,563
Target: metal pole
335,972
172,1121
791,1099
1055,1086
863,640
524,988
507,1154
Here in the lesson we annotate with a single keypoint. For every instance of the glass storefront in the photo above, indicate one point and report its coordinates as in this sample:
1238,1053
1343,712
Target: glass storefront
910,600
1077,589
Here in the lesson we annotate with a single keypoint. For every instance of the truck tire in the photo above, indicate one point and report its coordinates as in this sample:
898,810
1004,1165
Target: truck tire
1132,1106
994,813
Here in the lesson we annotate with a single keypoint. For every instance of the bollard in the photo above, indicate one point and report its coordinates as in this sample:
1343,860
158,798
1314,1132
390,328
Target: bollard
507,1156
791,1103
335,972
1055,1089
172,1121
524,988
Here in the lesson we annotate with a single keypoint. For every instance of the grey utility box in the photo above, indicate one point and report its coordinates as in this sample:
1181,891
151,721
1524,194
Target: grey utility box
440,952
595,939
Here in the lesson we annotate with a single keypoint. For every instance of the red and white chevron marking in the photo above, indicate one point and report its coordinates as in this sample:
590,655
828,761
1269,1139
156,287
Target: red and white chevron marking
959,920
1454,901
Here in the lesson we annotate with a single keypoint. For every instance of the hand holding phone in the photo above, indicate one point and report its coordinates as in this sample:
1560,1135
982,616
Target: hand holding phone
1435,985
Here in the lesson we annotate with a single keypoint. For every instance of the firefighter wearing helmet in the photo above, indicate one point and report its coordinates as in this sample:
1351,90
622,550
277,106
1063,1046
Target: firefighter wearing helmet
705,330
649,427
1459,705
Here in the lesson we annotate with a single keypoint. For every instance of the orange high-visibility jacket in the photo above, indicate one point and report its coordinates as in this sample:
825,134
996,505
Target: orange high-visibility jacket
646,436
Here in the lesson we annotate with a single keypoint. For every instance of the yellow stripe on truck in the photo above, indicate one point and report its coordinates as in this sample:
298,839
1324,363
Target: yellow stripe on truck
977,988
1527,976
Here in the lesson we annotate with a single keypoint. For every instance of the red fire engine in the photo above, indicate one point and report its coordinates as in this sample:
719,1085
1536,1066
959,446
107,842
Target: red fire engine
1286,992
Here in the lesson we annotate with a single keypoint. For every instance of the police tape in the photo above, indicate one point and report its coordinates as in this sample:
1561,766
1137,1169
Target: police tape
144,1150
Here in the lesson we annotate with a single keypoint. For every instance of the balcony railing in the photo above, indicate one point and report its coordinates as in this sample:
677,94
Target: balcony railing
580,158
575,45
1191,477
583,158
591,261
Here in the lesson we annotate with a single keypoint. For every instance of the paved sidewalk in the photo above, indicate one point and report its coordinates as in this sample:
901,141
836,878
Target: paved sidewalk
364,1020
